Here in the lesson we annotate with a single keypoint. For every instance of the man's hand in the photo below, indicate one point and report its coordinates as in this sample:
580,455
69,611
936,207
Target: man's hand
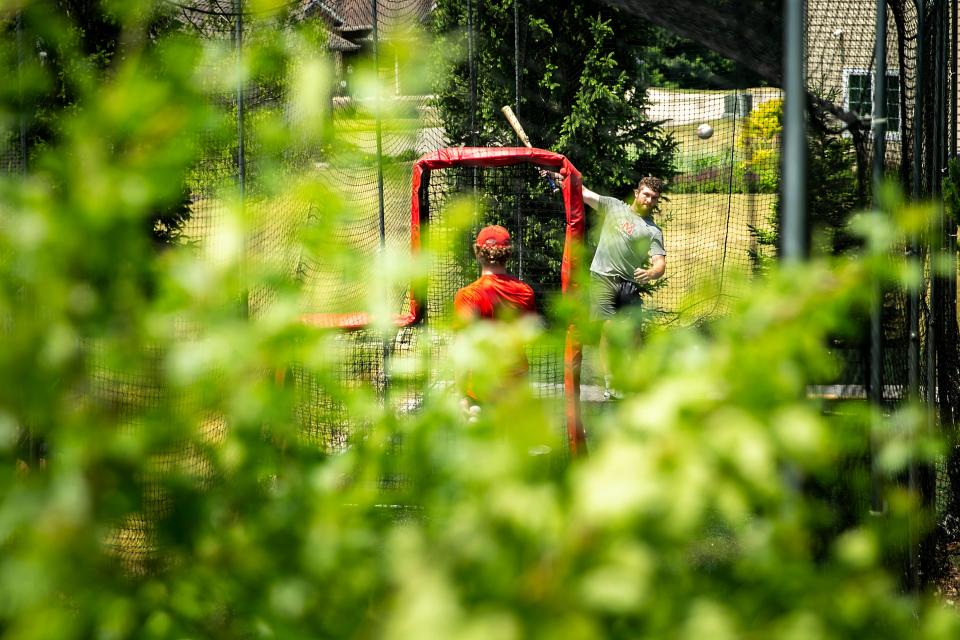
658,265
590,198
644,276
553,175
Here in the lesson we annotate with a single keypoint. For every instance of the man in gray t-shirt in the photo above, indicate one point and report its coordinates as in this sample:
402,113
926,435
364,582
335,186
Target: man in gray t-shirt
630,250
629,253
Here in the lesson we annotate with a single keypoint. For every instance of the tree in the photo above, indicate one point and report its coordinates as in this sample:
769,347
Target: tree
674,61
581,86
79,43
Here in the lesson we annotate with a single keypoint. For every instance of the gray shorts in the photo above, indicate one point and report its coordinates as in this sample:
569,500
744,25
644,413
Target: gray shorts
609,294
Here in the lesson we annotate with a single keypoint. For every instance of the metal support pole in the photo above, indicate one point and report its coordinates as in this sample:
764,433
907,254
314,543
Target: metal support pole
878,130
940,96
240,162
913,351
471,62
22,106
33,441
794,143
878,123
954,43
516,57
933,181
386,343
945,92
378,123
516,110
918,119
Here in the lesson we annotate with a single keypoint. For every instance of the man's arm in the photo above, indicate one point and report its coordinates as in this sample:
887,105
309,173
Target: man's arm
658,266
590,198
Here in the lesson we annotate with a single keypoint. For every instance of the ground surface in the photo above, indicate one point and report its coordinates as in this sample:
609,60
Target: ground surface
948,586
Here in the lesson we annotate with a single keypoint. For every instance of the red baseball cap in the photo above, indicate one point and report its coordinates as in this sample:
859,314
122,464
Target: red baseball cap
493,236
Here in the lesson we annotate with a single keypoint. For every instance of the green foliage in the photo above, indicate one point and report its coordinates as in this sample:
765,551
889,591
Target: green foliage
675,62
581,87
184,492
951,189
831,175
760,146
832,198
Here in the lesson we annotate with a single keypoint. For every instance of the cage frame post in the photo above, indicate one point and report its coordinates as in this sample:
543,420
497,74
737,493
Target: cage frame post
794,136
575,233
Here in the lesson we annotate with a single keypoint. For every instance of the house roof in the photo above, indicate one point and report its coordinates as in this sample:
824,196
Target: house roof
347,22
357,15
339,43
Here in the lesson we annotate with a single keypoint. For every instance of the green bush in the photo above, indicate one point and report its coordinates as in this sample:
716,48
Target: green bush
180,493
760,146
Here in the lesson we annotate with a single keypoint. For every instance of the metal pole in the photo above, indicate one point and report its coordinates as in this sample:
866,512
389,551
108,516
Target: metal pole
472,68
794,136
945,92
22,106
378,124
878,129
953,85
878,124
33,454
913,351
940,130
933,180
473,75
516,57
386,344
516,109
241,160
918,119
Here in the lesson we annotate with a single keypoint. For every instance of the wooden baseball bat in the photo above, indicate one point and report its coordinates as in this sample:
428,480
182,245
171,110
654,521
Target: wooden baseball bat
518,128
512,119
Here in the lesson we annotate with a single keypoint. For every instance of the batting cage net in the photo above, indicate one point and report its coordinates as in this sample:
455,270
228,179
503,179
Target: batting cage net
694,98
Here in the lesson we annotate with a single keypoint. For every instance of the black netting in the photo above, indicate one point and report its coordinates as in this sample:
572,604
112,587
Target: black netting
720,217
915,351
518,198
515,197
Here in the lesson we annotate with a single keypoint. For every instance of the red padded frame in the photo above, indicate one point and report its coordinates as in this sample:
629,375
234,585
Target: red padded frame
572,190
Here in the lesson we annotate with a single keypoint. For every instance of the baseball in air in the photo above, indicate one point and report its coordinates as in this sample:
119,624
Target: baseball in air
704,131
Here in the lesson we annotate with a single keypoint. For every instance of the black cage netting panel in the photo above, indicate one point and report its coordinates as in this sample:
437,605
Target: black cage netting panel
724,184
516,197
368,182
919,99
244,183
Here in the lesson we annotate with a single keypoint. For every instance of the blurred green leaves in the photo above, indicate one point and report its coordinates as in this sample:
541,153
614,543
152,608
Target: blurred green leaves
182,457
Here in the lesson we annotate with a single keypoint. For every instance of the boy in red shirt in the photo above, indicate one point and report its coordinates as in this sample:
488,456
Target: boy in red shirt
496,294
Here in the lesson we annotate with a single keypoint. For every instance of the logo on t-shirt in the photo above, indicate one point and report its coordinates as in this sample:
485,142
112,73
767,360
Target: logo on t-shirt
627,227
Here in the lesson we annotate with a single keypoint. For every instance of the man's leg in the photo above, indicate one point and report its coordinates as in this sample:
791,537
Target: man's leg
608,389
628,304
603,298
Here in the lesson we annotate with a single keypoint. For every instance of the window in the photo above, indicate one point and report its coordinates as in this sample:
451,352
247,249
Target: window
858,94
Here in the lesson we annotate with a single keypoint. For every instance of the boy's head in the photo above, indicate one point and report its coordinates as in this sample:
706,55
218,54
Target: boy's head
493,245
